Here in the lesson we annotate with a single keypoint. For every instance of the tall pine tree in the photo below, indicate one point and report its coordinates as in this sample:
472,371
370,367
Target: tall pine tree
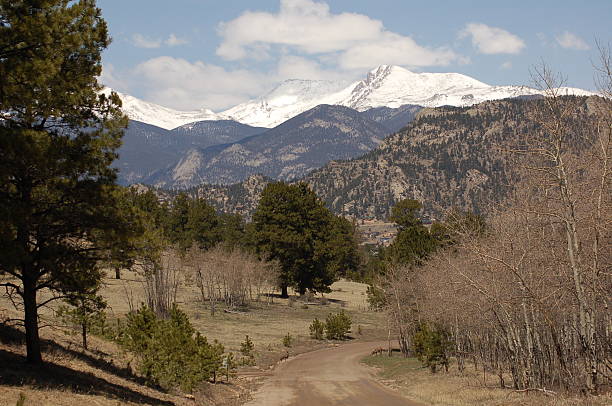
292,226
58,137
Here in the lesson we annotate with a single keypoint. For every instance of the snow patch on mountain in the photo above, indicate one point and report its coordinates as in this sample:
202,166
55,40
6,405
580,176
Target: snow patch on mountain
160,116
385,86
285,101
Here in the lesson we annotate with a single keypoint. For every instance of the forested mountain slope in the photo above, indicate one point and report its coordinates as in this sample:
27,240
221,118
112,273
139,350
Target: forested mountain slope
447,157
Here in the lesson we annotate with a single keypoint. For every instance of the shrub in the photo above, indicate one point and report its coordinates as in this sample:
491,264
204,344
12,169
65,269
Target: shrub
337,325
376,298
21,400
170,352
317,329
246,349
431,346
86,313
288,340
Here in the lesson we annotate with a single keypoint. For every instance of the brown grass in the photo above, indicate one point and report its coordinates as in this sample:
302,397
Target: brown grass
471,388
265,323
103,376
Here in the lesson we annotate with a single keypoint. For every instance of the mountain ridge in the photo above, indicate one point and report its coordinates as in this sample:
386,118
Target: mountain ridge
447,157
290,150
384,86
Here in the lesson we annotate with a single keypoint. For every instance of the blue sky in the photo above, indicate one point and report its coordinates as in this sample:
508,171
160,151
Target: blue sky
191,54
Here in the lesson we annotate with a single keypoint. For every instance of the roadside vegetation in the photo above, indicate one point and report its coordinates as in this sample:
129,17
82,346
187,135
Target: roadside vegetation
523,293
469,387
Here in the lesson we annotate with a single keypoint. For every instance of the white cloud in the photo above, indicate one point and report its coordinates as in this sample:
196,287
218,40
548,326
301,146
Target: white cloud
569,40
296,67
394,49
308,27
109,78
141,41
173,41
492,40
506,65
184,85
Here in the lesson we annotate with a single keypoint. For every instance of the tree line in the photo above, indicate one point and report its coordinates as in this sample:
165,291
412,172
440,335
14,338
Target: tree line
524,293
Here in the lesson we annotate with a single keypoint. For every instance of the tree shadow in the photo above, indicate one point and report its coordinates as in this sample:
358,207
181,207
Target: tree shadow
15,371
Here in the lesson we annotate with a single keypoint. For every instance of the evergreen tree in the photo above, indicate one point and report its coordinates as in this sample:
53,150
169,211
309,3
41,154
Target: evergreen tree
233,231
342,248
58,137
203,226
86,311
177,229
291,225
413,242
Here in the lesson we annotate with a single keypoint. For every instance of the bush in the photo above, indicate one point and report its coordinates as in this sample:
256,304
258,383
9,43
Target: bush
170,352
431,346
288,340
337,325
85,313
317,329
229,366
246,349
376,298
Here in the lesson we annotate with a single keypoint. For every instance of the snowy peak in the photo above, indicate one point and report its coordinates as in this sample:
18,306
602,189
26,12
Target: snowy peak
393,86
285,101
385,86
159,116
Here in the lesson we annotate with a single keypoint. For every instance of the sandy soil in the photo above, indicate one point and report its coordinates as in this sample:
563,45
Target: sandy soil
331,376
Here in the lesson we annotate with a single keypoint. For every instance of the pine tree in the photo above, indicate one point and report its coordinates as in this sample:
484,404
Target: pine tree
413,242
58,137
292,226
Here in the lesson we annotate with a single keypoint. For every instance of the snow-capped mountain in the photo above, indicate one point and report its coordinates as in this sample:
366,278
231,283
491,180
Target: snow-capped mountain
160,116
285,101
385,86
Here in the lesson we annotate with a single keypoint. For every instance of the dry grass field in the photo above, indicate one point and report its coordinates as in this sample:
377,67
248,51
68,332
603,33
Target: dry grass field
468,389
104,375
265,321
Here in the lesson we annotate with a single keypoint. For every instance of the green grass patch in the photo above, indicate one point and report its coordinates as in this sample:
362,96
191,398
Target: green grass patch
393,367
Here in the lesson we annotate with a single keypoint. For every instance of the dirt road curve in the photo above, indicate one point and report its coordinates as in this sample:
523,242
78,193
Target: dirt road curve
332,376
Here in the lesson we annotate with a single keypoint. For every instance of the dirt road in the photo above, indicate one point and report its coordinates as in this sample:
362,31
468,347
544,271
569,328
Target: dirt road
332,376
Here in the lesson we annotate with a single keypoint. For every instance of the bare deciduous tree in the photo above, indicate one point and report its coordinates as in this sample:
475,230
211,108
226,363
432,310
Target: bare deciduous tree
231,275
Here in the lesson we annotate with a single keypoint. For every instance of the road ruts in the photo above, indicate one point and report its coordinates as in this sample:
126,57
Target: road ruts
331,376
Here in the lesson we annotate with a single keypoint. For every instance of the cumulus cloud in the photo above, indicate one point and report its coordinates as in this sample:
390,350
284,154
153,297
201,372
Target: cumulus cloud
569,40
492,40
141,41
296,67
110,78
185,85
309,27
394,49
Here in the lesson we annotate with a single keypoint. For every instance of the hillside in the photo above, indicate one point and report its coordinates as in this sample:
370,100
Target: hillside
286,152
447,157
147,148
